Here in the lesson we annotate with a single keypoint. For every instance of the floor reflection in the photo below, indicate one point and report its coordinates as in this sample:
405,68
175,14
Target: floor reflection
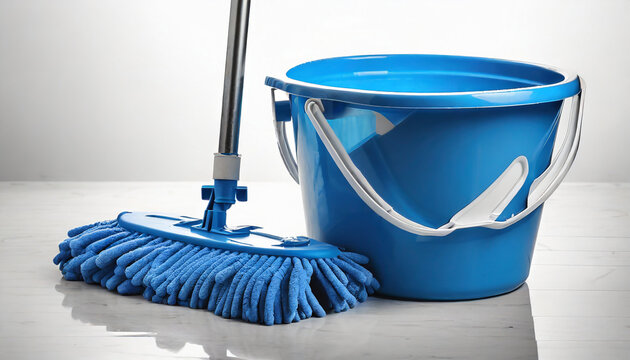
495,328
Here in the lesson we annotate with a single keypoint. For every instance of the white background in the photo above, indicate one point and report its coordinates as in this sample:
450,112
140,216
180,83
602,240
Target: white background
131,90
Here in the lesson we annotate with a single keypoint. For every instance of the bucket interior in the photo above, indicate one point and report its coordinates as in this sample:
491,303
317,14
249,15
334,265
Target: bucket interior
423,74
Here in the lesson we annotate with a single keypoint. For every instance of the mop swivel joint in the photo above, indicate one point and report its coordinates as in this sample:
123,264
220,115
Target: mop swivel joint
221,196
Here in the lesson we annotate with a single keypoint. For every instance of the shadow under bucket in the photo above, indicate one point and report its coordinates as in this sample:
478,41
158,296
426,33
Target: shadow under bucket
436,167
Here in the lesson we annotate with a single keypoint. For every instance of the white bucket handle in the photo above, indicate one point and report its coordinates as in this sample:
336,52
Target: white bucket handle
481,212
281,137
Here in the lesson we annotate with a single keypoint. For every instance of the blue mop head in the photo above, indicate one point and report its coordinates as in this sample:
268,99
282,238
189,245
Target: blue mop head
171,263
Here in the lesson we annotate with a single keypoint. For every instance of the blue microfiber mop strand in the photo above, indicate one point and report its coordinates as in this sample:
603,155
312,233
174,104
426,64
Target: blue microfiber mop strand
256,288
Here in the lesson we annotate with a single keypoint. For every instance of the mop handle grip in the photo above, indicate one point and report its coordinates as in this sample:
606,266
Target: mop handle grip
540,190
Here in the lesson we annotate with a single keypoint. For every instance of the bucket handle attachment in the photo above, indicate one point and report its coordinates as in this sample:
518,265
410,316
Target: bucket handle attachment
281,114
500,192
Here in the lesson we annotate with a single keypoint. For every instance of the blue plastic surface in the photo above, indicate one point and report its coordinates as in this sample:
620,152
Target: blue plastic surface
429,166
427,81
283,110
221,196
184,229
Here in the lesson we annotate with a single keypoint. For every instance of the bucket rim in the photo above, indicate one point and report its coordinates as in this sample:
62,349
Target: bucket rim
560,90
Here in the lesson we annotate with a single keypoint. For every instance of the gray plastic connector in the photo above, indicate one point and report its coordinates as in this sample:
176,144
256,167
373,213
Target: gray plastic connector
226,167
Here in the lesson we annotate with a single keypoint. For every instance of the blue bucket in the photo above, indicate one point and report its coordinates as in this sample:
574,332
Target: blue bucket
436,167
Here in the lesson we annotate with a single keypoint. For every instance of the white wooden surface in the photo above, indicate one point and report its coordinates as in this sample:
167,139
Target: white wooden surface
575,305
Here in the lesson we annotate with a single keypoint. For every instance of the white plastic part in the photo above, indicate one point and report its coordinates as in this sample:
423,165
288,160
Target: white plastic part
226,167
565,156
490,204
281,137
383,125
482,211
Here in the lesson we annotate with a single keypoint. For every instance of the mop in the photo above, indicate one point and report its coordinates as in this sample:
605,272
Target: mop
235,272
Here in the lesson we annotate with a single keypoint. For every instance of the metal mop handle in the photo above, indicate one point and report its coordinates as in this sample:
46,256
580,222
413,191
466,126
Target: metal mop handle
227,160
233,83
